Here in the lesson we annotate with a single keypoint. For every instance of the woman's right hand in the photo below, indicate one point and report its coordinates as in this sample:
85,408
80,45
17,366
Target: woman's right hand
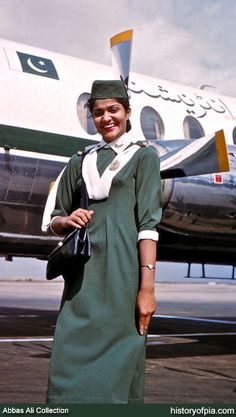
76,219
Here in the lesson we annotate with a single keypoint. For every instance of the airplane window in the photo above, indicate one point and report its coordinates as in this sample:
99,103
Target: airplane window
151,124
234,135
84,115
192,128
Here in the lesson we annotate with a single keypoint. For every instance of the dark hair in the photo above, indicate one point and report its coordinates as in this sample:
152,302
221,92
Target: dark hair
123,101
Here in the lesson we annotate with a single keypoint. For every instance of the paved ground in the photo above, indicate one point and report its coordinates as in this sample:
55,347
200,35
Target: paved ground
191,351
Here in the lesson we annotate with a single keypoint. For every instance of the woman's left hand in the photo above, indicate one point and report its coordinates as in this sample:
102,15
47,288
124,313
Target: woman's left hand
146,306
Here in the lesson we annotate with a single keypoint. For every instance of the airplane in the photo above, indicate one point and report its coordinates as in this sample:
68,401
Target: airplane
44,120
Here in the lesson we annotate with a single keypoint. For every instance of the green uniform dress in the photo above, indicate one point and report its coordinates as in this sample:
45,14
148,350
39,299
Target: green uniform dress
98,354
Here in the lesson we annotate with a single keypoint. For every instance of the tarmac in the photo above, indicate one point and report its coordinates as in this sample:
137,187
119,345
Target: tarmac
191,345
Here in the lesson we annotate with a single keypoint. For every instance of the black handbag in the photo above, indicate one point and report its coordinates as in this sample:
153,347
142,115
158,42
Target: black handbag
74,250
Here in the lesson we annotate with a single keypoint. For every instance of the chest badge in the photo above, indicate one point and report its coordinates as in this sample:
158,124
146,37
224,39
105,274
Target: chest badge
114,165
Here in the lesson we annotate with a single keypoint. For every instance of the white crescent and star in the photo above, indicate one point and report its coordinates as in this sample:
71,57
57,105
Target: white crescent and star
33,67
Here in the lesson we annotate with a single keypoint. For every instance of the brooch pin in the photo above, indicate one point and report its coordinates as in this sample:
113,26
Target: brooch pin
114,165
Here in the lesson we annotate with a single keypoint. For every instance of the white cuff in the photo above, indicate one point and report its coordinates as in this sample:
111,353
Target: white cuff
148,234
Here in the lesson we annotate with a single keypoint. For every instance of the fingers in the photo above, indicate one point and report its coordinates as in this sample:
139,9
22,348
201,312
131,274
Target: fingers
143,324
146,307
80,217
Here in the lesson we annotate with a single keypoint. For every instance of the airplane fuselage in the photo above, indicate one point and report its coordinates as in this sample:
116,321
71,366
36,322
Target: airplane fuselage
43,121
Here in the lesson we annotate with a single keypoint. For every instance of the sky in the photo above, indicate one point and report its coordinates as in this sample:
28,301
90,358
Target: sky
192,42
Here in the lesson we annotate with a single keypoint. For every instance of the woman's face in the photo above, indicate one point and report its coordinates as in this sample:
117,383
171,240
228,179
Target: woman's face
110,118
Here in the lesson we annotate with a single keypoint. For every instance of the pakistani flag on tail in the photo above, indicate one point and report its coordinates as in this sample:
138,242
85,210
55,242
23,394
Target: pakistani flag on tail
37,65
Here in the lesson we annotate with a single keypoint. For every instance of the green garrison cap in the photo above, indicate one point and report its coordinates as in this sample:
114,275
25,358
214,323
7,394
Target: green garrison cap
102,89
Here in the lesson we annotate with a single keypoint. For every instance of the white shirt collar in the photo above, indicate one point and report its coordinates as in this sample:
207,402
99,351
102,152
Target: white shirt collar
117,145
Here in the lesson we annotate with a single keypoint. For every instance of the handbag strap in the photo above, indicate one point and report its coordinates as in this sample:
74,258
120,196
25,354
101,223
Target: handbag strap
80,198
84,192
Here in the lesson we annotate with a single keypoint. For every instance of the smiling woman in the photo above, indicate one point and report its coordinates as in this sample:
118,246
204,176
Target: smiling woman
110,118
110,115
107,306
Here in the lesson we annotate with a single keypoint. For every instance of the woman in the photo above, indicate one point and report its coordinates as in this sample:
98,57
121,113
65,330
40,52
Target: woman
99,346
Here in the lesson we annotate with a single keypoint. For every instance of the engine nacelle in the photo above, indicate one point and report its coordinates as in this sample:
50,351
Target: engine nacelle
203,204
